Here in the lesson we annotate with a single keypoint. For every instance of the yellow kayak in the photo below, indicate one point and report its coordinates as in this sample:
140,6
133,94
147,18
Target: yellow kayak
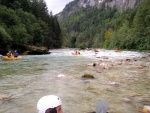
118,51
76,54
11,58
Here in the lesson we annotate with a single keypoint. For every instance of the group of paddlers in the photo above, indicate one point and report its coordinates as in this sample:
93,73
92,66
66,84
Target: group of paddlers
10,54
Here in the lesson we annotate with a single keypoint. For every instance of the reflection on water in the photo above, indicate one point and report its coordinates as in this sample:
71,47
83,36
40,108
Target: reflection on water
23,82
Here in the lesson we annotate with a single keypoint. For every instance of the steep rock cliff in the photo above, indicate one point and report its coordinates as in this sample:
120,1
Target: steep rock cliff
118,4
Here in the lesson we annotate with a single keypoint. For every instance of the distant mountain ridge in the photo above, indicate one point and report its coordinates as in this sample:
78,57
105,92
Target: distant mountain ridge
118,4
110,24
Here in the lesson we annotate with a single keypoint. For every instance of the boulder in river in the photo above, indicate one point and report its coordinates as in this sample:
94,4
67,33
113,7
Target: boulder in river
88,76
33,50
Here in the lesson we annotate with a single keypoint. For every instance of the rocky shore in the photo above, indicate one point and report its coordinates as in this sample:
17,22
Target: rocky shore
128,75
33,50
27,50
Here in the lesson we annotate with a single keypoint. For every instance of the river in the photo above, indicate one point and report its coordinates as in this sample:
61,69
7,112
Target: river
24,81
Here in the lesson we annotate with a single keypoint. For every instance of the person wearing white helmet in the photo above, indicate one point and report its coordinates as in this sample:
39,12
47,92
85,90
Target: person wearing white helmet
49,104
16,53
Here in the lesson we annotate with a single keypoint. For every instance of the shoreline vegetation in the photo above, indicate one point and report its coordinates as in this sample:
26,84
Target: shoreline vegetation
25,23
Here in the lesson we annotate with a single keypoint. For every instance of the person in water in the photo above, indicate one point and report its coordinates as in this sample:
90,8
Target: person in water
9,54
49,104
16,53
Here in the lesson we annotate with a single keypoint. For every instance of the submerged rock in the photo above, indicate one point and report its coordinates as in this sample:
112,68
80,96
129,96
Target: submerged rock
61,76
4,97
88,76
91,64
126,100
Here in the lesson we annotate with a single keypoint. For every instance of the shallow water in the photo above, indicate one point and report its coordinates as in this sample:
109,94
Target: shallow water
23,82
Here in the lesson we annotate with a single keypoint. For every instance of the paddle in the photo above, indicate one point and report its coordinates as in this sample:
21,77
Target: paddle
102,107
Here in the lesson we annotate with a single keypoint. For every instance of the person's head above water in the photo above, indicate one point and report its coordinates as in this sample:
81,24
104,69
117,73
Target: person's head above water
49,104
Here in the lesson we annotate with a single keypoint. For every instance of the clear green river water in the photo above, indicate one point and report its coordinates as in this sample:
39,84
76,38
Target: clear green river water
23,82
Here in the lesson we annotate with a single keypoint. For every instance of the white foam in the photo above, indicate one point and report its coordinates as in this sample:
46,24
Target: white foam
101,53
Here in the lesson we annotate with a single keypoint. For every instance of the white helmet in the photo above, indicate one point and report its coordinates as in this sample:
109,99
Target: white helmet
46,102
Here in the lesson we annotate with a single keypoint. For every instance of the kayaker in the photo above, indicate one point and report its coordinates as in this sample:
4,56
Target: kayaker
146,109
49,104
16,53
76,52
9,54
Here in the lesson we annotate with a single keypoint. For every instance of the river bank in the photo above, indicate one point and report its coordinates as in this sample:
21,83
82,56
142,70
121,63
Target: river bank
122,79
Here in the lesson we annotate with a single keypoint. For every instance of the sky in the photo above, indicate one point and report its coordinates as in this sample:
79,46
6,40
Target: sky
56,6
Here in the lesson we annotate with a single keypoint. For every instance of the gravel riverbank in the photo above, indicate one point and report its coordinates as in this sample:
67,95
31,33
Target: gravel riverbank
124,76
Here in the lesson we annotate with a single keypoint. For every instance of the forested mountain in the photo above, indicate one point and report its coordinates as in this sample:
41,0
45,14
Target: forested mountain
27,22
123,24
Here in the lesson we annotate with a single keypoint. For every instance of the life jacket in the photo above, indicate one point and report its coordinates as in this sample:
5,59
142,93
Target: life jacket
9,54
15,54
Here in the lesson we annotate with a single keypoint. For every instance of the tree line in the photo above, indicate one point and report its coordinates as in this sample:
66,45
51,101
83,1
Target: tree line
108,28
27,22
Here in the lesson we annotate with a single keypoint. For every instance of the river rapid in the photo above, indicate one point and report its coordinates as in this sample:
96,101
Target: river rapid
121,78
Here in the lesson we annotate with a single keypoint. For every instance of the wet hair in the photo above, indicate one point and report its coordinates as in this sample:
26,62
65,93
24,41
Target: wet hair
51,110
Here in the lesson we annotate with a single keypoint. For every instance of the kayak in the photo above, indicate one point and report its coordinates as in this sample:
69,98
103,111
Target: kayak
118,51
11,58
76,54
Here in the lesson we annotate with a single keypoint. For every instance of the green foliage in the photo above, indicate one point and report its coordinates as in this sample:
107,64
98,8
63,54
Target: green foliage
25,22
72,41
5,38
107,36
109,28
97,41
19,35
82,46
142,25
64,37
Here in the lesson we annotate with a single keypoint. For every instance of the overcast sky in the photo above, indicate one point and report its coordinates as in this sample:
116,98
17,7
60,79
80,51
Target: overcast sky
56,6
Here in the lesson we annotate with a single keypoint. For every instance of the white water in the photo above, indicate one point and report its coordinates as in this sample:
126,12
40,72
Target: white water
102,52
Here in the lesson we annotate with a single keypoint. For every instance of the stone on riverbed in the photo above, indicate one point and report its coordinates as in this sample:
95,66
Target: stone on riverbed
91,64
61,76
126,100
4,97
88,76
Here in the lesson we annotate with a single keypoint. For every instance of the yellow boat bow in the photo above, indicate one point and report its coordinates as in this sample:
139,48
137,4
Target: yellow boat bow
11,58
